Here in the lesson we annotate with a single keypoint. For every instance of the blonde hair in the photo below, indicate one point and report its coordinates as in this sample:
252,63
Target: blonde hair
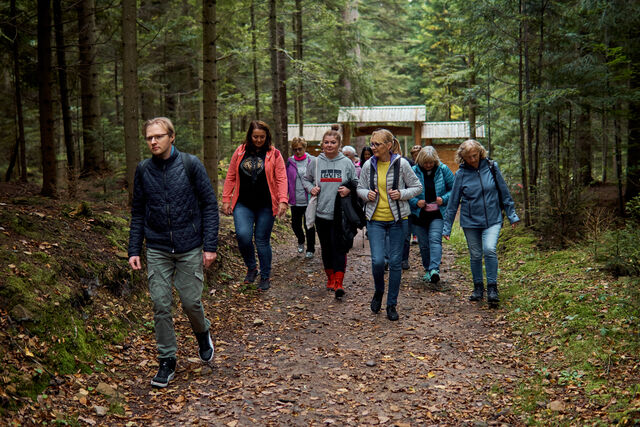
298,140
387,137
428,154
469,145
162,121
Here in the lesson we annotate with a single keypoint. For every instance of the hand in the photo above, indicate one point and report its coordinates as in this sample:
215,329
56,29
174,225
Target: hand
446,237
226,208
439,201
394,194
208,258
514,225
344,191
135,263
315,191
373,194
282,209
421,203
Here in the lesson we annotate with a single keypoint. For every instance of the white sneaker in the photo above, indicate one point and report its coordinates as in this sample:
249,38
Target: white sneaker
309,255
300,249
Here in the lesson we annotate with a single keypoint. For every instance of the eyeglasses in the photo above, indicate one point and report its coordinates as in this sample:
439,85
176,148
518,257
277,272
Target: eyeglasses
377,144
157,137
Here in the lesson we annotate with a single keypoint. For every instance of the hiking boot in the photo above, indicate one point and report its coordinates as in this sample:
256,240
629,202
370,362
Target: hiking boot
338,277
392,314
492,293
300,249
166,372
330,279
205,350
478,292
376,301
405,265
265,283
427,276
435,276
251,276
308,255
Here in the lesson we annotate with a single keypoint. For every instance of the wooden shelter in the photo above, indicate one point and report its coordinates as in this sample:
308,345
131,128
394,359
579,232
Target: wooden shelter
432,131
312,133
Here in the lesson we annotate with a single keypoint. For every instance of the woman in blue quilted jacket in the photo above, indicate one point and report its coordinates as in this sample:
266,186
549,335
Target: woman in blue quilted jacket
481,192
429,208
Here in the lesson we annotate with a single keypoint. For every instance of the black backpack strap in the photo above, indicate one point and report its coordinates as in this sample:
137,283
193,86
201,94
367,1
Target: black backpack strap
187,162
372,185
492,168
396,179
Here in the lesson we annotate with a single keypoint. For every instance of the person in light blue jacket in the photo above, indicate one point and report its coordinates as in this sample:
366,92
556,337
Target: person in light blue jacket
482,193
429,207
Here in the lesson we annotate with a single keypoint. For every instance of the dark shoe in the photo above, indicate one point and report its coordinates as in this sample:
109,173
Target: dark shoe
264,284
300,248
376,302
251,276
386,266
338,278
165,373
405,265
478,292
492,293
392,314
435,276
205,345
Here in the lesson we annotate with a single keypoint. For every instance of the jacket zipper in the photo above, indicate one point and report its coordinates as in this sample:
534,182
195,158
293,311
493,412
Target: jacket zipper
168,208
484,202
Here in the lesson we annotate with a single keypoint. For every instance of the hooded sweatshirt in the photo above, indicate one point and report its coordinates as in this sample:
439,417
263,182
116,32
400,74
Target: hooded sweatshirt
330,174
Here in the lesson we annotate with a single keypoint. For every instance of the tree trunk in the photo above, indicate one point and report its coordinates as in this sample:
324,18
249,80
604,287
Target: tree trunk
20,140
297,18
283,144
526,37
618,151
130,90
64,99
582,171
605,145
209,91
254,60
472,100
88,72
45,100
523,157
350,16
275,101
633,149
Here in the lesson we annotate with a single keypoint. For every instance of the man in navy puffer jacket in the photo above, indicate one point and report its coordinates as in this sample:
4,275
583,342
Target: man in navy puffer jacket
175,209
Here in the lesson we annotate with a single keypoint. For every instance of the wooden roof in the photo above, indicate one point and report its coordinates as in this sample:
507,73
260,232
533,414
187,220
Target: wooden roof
391,114
446,130
311,132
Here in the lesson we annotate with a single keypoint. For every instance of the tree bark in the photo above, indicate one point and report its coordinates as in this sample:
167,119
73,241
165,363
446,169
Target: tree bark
90,100
130,90
582,144
633,149
275,97
72,165
472,100
45,98
209,88
297,18
523,157
20,140
283,144
254,60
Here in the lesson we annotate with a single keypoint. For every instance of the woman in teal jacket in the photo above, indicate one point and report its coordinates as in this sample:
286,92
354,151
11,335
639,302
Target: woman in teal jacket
429,208
481,192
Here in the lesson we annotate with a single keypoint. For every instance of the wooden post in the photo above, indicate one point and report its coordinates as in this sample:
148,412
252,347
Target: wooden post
346,136
417,133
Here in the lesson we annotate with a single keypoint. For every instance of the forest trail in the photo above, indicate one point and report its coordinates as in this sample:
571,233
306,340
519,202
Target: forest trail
299,357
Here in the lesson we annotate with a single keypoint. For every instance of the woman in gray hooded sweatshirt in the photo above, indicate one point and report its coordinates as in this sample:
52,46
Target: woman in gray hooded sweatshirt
326,176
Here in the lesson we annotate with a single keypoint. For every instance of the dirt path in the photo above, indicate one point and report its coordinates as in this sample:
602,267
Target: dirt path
296,356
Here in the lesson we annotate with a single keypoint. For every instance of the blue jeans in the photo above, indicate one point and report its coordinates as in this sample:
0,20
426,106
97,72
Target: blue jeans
259,222
430,242
483,241
378,232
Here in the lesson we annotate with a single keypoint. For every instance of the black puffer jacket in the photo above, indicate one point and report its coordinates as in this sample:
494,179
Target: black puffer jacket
348,217
173,213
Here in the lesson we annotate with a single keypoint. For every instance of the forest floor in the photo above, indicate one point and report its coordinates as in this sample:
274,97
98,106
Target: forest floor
293,355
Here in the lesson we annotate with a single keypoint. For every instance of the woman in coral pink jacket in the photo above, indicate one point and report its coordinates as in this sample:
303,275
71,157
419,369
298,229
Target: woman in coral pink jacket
255,192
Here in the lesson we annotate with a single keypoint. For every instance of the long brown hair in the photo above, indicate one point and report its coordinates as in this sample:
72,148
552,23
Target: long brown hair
248,141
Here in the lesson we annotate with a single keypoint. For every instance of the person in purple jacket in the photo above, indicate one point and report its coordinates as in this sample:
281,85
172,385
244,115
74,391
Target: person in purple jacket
298,195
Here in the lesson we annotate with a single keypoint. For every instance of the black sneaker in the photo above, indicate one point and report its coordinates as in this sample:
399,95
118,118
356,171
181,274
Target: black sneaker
205,350
392,314
405,265
251,276
376,302
264,284
165,373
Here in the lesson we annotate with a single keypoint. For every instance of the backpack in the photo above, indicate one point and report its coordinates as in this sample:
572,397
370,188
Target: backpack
492,168
396,179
